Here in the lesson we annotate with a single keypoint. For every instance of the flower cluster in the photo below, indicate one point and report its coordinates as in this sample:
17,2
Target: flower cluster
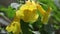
28,13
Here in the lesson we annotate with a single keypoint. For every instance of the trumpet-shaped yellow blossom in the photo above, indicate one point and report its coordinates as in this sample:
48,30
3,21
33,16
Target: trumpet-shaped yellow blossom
14,27
45,14
27,13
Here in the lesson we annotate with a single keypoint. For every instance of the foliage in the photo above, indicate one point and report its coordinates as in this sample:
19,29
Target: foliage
9,11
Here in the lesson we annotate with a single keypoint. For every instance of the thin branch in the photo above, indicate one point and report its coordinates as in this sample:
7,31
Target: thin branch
2,14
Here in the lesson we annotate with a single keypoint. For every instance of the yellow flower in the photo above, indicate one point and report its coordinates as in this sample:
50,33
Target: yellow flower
14,27
28,12
45,14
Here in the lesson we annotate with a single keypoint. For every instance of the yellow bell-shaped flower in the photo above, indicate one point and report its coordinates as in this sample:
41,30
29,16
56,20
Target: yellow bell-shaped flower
14,27
28,12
